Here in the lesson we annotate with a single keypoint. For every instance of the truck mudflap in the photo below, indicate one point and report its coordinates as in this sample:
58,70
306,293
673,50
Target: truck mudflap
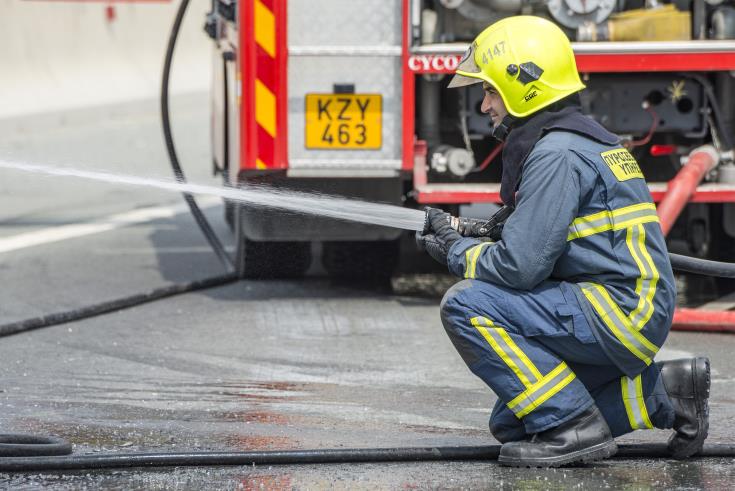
259,226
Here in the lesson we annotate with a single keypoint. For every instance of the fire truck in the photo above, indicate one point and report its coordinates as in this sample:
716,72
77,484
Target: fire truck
349,98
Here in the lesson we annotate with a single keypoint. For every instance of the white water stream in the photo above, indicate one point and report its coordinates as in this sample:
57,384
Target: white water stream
261,196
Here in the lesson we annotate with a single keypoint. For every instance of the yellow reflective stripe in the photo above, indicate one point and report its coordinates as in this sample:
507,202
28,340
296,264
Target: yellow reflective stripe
621,225
520,354
508,351
642,402
265,108
471,256
655,276
647,281
618,323
617,219
550,393
626,402
528,400
635,404
265,28
625,327
636,257
530,391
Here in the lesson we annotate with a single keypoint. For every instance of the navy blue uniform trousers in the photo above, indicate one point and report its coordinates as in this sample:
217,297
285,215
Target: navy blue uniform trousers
537,352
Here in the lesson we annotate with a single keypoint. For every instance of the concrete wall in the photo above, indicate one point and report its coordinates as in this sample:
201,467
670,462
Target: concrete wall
58,54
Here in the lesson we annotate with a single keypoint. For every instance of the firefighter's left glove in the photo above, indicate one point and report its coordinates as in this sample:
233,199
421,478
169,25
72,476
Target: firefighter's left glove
438,235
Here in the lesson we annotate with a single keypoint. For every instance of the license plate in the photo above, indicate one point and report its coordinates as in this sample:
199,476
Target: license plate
344,121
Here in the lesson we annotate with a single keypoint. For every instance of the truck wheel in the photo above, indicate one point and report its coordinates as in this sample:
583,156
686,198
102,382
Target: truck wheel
372,261
267,260
270,260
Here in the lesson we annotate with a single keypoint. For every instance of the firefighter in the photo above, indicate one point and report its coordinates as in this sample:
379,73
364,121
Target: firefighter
563,314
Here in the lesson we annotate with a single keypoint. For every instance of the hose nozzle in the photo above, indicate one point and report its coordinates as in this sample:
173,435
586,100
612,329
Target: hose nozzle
474,227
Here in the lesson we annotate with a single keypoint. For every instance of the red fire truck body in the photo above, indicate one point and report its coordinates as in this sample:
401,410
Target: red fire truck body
350,98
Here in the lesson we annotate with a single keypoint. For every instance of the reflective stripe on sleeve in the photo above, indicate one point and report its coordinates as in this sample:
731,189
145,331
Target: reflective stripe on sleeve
541,391
617,219
471,256
508,351
635,404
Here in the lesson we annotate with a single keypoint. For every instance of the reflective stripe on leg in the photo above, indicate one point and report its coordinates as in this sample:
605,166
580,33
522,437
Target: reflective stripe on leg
635,404
508,351
618,323
549,385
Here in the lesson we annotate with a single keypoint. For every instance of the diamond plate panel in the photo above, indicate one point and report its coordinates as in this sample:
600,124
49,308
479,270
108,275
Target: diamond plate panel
344,22
370,75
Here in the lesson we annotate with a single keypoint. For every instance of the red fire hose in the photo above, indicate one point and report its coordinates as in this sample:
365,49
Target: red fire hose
680,189
704,320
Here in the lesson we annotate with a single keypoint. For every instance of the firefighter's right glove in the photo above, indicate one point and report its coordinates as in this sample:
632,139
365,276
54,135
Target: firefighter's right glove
438,236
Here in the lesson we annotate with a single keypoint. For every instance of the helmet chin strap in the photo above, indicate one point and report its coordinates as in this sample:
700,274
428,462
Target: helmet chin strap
500,131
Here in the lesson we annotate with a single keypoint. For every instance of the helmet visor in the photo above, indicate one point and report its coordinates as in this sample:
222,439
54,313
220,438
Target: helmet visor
465,70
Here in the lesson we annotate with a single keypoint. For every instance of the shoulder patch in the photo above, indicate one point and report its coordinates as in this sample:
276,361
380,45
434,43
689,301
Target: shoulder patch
622,164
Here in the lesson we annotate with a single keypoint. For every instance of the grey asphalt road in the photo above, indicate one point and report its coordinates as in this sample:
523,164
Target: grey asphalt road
250,366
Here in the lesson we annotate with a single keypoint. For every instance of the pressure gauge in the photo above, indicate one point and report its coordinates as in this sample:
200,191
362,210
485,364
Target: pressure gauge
573,13
582,6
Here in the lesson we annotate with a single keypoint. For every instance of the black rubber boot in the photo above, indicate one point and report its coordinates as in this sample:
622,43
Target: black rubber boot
585,438
687,384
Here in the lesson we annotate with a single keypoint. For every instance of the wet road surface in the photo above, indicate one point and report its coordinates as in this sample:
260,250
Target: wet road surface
254,365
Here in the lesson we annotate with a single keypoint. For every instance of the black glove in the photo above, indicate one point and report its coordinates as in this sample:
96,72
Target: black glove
438,235
438,223
435,249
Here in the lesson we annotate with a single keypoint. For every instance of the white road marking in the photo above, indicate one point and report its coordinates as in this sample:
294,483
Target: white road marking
112,222
159,250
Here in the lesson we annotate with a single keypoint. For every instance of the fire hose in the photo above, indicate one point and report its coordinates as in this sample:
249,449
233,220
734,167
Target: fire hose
301,457
680,189
25,453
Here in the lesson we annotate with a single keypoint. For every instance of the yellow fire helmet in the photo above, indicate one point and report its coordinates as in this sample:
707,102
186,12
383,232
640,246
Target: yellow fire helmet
527,59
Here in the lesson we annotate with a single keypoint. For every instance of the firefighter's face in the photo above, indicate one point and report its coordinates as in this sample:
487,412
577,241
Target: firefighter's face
492,104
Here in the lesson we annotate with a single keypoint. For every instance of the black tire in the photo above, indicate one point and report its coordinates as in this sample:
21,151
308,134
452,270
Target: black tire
371,261
273,260
265,259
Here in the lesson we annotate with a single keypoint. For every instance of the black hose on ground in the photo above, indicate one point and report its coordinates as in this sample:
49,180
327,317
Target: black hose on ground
24,453
21,445
162,292
302,457
114,305
678,262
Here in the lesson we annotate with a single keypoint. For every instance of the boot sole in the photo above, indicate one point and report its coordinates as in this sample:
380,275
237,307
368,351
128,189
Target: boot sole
702,383
590,454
